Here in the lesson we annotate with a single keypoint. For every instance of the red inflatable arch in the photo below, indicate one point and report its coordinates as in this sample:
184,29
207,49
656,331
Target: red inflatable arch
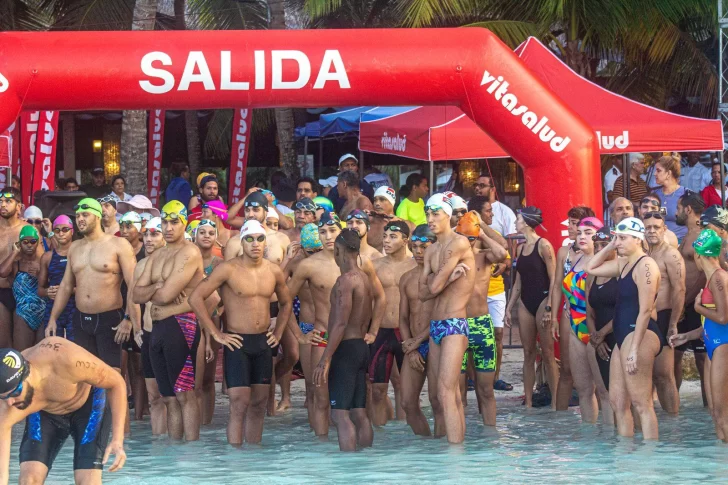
467,67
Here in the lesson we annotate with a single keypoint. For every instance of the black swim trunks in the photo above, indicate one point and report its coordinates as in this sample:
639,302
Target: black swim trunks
146,361
663,323
94,332
387,348
89,426
691,320
250,365
347,375
7,299
173,353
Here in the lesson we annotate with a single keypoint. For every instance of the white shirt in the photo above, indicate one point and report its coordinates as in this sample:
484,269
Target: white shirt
283,209
609,179
504,220
377,180
695,178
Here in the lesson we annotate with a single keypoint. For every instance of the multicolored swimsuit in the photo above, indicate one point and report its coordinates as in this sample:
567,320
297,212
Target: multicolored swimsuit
29,306
481,342
574,289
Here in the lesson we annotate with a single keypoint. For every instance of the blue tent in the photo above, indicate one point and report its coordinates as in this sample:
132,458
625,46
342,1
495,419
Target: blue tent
311,130
344,121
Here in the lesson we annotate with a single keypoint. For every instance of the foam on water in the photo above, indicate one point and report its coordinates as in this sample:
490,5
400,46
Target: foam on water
526,446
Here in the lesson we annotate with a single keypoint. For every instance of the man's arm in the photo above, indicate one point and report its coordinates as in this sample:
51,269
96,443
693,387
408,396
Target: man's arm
203,291
299,277
379,298
451,259
234,220
8,264
404,310
285,303
186,264
86,367
143,289
495,251
9,417
339,316
676,275
363,203
423,288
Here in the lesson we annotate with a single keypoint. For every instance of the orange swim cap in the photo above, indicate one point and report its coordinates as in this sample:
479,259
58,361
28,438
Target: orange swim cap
469,225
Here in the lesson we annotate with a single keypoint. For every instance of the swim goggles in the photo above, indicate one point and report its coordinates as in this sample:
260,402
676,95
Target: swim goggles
34,222
207,222
171,215
14,393
421,239
653,215
84,207
63,229
307,207
332,221
251,238
29,242
151,230
107,199
433,208
392,227
7,195
470,238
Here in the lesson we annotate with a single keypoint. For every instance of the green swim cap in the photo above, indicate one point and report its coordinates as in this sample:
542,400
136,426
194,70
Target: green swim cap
28,232
88,205
708,243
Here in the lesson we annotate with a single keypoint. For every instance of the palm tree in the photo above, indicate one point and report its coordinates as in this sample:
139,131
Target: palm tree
652,51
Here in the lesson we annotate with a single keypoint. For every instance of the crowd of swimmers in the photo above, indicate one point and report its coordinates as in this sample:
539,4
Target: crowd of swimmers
361,299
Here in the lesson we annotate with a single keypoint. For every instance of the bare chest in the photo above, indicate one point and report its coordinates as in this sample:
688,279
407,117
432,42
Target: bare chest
99,258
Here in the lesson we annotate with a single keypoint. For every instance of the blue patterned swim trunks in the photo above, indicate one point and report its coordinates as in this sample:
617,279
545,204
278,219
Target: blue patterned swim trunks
439,329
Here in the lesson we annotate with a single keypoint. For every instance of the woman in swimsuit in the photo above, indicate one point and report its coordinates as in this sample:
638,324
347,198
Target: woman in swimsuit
601,298
565,257
712,304
639,340
22,266
574,288
536,266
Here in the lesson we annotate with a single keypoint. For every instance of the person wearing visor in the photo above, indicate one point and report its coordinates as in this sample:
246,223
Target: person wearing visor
153,240
249,345
10,226
712,305
637,335
535,274
447,278
343,365
414,327
359,221
651,203
175,338
96,267
387,348
601,298
690,207
60,389
52,268
109,215
22,267
669,304
481,353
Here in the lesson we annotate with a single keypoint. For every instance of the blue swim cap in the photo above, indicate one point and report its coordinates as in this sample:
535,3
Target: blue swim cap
310,237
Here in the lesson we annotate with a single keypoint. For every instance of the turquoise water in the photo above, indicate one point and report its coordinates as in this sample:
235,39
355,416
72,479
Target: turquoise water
526,446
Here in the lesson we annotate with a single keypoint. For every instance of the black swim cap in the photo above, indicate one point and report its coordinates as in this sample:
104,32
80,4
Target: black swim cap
349,238
604,234
399,226
423,230
531,216
13,370
256,199
329,219
358,214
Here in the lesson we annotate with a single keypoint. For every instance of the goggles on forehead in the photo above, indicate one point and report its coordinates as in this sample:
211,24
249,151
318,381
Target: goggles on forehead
307,207
129,224
84,207
393,227
433,208
152,230
650,200
253,203
7,195
107,199
634,227
421,239
207,222
330,222
358,215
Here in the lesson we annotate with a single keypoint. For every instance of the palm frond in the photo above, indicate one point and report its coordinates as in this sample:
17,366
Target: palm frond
321,8
226,15
91,15
424,13
220,131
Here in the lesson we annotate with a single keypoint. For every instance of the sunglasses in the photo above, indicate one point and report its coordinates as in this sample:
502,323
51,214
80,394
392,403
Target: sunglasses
14,393
29,242
62,229
423,239
307,207
650,200
250,239
84,207
653,215
171,216
35,222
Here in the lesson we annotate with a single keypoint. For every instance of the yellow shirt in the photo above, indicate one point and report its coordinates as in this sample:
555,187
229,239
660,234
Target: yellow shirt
412,211
496,286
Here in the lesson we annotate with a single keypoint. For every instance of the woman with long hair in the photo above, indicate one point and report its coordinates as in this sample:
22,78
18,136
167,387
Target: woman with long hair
667,176
574,288
535,273
712,304
412,206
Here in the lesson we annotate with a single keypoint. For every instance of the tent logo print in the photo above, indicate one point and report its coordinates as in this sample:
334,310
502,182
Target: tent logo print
394,143
499,89
4,84
611,141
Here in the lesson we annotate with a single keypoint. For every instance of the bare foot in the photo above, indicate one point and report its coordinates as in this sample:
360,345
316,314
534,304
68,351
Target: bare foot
283,405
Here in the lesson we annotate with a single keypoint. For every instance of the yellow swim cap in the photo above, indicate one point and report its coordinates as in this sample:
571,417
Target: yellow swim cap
174,210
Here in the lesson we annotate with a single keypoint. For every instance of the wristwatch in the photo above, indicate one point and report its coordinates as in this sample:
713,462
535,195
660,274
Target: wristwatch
547,308
51,234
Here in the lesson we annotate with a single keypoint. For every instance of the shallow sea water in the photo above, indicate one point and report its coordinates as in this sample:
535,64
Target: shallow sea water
526,446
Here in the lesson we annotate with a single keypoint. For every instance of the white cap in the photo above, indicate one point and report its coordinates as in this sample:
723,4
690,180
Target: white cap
134,218
251,228
631,226
386,192
272,214
154,223
32,212
329,182
440,201
346,157
146,216
456,201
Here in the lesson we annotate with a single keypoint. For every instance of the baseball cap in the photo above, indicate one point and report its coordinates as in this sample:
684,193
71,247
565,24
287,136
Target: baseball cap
97,171
715,215
346,157
386,192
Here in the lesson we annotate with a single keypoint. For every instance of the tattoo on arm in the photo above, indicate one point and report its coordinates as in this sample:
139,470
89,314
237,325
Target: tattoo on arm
648,273
84,364
184,263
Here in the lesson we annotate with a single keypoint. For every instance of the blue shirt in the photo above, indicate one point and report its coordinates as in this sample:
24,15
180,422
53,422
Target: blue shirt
178,189
669,202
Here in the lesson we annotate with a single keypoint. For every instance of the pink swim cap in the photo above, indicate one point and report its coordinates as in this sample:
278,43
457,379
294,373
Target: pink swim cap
591,222
218,208
63,220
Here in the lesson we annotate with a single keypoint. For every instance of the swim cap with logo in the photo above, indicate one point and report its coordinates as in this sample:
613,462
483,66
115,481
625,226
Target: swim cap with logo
323,203
251,228
88,205
155,223
441,202
386,192
13,370
192,228
134,218
174,207
708,243
469,225
631,226
310,237
28,232
457,202
256,199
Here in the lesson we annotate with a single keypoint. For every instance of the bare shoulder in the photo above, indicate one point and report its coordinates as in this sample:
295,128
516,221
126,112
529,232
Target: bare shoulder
281,238
647,267
46,258
191,250
410,274
720,280
77,246
380,263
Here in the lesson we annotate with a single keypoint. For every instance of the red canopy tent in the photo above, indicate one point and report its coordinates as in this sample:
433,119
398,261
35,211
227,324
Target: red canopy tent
444,133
